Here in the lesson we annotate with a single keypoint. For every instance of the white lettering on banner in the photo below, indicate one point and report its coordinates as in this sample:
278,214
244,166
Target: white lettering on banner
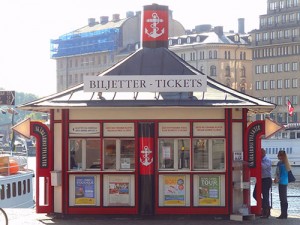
138,83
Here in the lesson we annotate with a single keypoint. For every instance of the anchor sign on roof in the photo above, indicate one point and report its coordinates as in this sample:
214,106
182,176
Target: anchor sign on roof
155,26
154,22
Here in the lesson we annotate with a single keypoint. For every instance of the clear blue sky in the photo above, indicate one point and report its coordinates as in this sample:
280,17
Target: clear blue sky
28,25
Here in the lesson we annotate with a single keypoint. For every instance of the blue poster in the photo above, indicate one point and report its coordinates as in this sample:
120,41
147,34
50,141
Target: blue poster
85,190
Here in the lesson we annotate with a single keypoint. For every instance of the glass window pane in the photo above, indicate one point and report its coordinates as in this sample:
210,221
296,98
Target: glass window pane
200,148
75,148
109,154
127,154
218,149
93,160
183,153
166,153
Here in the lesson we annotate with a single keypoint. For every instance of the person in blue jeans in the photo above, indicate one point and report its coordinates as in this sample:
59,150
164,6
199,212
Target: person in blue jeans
266,183
281,177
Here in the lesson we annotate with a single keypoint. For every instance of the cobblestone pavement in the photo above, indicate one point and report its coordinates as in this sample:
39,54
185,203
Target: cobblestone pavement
30,217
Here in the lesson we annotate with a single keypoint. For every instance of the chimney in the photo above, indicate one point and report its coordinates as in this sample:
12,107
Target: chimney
241,28
129,14
103,19
91,22
218,30
115,17
155,26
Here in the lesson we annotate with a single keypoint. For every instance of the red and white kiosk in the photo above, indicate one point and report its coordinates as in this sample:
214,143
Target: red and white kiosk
150,136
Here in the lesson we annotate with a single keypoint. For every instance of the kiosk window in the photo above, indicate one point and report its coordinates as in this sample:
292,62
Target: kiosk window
208,154
119,154
174,154
84,154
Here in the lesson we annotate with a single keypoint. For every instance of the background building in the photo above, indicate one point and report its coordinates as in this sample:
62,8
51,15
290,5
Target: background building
276,49
99,45
224,56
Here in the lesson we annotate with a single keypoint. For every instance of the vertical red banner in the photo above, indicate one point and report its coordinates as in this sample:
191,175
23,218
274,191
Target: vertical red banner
155,30
146,135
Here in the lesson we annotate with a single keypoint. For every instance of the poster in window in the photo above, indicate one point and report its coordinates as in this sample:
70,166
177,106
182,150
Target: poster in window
174,190
209,190
119,191
85,190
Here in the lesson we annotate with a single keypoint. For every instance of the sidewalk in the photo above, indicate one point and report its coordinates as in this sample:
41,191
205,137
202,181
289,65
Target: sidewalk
29,217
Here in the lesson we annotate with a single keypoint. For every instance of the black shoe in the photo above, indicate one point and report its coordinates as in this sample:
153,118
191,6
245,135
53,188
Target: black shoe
281,217
264,217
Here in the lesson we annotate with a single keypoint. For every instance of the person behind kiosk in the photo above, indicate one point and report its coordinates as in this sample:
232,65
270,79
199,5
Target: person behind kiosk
281,177
266,183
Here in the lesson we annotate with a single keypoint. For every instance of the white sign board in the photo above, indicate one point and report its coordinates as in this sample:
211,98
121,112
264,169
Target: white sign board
209,129
146,83
174,129
118,129
84,130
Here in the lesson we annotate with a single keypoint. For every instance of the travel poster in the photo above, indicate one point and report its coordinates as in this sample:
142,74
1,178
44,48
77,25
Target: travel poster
85,190
119,192
209,190
174,190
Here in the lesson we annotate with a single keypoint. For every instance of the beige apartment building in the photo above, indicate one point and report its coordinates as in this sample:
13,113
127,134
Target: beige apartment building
276,58
224,56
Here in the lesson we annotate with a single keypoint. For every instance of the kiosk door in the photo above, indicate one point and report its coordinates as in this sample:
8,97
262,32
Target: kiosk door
44,154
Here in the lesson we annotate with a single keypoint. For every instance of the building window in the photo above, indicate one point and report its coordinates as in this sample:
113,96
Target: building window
202,69
265,68
182,56
286,67
279,100
272,84
265,85
210,54
279,67
295,100
257,69
215,54
213,71
227,71
286,33
272,68
257,85
287,83
279,84
265,36
272,99
294,66
243,72
294,83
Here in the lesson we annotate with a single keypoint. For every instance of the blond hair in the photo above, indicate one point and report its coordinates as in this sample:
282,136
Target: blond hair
284,159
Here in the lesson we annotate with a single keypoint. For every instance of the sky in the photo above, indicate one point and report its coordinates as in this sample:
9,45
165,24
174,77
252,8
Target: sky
27,26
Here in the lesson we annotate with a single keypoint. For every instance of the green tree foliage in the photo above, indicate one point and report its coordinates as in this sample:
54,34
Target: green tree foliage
6,116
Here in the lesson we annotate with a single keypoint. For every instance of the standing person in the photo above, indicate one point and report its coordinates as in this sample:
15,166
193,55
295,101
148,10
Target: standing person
266,182
281,177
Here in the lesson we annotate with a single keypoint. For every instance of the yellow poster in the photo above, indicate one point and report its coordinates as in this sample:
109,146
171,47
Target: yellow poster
209,190
174,190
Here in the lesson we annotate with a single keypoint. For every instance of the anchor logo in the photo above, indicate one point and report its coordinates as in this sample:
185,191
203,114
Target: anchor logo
155,20
145,158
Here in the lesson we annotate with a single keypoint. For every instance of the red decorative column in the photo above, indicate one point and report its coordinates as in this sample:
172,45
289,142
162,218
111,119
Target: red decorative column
146,166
